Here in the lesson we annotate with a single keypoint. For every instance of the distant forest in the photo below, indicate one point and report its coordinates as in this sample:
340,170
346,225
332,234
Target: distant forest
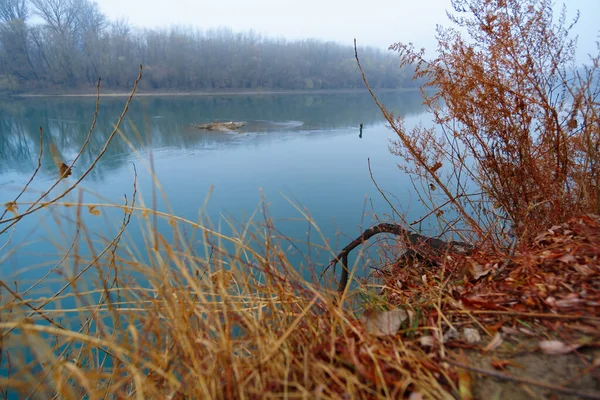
65,45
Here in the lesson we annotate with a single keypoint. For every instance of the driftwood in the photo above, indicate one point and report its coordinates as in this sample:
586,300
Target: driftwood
418,246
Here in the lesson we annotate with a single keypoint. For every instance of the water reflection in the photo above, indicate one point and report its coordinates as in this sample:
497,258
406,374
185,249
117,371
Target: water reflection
165,122
302,146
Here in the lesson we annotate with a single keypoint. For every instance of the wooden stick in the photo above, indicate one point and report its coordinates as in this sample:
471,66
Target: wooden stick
420,246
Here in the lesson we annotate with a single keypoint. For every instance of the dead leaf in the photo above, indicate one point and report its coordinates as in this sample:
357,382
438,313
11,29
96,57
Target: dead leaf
494,343
477,270
383,323
427,341
569,302
64,170
222,278
471,335
557,347
452,333
567,258
93,210
415,396
12,207
502,364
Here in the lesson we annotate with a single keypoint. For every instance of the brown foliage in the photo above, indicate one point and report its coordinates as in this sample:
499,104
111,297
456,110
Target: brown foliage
514,118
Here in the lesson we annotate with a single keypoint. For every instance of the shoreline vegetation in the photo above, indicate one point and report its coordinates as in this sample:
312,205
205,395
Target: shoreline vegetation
49,45
511,172
240,92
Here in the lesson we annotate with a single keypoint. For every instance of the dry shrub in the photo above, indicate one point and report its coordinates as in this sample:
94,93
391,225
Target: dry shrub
517,125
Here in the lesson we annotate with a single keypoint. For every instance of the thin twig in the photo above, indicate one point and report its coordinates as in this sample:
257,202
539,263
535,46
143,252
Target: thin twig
381,191
37,205
35,172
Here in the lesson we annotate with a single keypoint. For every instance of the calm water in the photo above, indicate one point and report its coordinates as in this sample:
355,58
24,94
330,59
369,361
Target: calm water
303,147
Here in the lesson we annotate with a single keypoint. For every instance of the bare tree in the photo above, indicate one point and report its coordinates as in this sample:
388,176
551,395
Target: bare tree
59,15
11,10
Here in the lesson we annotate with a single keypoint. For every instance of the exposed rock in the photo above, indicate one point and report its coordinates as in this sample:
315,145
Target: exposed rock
220,126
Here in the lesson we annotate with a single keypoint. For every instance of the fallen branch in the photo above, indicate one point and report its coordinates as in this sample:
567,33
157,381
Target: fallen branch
418,246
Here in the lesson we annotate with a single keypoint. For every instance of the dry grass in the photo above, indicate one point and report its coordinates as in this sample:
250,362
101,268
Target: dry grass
238,321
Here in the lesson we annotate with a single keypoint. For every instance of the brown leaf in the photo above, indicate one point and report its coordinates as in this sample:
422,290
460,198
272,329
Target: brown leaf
567,258
12,207
502,364
383,323
64,170
557,347
494,343
477,270
222,278
93,210
569,302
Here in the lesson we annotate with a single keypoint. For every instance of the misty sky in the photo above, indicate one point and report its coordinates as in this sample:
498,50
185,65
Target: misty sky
374,22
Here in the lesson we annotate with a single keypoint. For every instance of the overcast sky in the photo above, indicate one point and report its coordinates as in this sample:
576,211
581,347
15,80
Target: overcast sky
374,22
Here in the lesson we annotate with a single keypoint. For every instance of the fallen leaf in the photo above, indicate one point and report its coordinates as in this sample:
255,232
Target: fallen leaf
502,364
569,302
551,301
557,347
567,258
452,333
477,270
494,343
471,335
427,341
383,323
415,396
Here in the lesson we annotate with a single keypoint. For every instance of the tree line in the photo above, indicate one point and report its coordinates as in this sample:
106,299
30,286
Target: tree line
68,44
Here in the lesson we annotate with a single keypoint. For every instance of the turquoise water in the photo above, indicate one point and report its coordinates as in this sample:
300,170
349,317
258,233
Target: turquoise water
304,149
296,152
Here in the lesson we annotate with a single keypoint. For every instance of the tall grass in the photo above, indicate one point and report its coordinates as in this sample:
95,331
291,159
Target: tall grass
238,321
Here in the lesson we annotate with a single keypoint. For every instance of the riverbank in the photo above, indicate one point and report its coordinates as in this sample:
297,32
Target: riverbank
143,93
243,323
